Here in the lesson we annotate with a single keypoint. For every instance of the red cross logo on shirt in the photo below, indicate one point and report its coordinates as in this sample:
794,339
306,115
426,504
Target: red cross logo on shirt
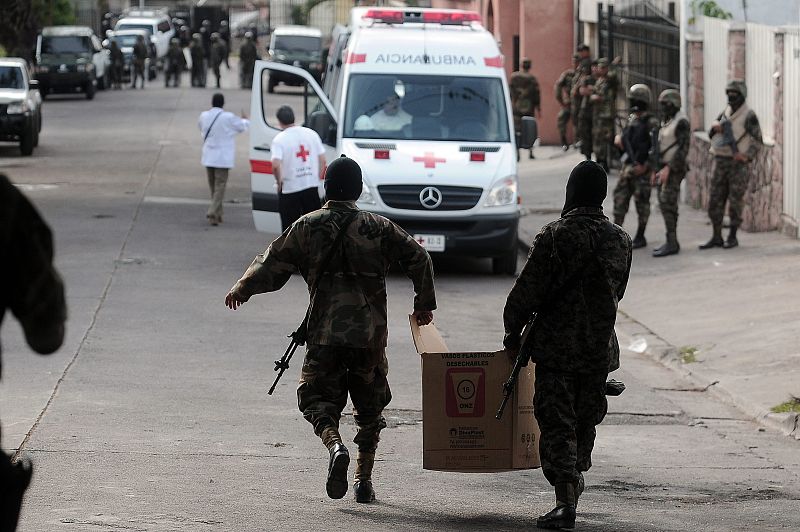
303,154
430,160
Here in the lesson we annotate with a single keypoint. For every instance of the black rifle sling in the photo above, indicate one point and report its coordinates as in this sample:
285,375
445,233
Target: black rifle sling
324,266
205,138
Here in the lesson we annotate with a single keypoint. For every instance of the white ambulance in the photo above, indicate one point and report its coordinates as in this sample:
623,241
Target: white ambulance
418,97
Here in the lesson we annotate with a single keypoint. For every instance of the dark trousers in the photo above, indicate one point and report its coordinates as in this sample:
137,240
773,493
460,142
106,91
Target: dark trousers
14,481
329,374
295,204
567,407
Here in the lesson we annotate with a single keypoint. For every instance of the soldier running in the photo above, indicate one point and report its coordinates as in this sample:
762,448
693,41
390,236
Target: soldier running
674,137
735,142
347,327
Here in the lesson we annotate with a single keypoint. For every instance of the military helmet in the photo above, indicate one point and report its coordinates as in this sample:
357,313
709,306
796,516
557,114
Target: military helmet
526,62
214,36
738,86
196,36
248,35
670,96
174,41
640,92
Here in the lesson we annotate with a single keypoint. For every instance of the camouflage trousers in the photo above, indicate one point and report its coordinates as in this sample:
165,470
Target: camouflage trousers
562,120
630,185
584,134
668,195
567,408
728,184
602,136
331,372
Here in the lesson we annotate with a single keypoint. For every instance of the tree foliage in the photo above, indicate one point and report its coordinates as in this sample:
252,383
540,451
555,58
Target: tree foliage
21,20
301,13
708,8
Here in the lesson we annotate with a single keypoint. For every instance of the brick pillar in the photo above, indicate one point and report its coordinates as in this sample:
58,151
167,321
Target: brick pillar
777,150
695,103
737,44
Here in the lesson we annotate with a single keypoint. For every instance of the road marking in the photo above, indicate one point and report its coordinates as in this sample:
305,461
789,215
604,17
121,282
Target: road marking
168,200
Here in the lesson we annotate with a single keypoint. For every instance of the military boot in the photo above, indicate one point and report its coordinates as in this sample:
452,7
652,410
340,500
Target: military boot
731,242
579,485
716,239
362,487
336,484
563,515
639,240
670,247
14,480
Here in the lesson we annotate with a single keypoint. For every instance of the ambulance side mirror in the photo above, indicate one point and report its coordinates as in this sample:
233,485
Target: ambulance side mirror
529,133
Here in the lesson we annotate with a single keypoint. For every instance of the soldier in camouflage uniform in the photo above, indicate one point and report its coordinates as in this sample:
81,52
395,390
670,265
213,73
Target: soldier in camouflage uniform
562,89
604,110
576,273
634,179
525,97
731,159
31,289
218,51
582,88
347,327
674,137
176,63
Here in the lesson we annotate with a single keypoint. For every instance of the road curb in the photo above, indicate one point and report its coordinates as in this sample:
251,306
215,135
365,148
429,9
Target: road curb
660,350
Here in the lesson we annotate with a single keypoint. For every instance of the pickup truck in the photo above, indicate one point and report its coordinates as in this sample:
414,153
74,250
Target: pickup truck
20,105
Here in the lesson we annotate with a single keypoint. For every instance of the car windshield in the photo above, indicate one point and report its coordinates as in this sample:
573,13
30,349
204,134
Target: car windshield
11,78
66,44
132,26
125,40
297,44
425,107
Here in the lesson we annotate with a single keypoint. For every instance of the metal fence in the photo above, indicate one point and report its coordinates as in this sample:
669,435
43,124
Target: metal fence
715,67
759,70
791,124
648,42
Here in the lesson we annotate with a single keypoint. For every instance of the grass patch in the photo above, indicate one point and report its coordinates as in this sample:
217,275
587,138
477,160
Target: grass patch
688,354
790,406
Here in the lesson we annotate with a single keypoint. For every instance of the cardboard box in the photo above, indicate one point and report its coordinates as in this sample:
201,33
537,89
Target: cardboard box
461,393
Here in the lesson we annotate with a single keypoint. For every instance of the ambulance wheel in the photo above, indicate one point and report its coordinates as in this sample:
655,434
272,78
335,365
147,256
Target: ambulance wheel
505,264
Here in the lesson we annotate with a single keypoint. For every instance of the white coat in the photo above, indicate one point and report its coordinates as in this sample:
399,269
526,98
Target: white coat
219,149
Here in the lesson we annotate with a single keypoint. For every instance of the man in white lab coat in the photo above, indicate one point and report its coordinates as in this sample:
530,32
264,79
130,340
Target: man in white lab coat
218,129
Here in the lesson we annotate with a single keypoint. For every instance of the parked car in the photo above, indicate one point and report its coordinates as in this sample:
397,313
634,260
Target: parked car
298,46
20,105
156,22
70,58
125,40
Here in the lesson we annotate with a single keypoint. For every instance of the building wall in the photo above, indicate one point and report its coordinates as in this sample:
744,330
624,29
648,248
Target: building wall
546,34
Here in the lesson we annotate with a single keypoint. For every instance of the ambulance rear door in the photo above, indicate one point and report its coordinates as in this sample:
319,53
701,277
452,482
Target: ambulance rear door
311,108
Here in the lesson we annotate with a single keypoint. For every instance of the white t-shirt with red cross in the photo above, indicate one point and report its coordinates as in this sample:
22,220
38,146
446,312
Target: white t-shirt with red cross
298,149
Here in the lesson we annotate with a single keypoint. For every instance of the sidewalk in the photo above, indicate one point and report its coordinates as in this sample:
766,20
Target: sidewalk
727,319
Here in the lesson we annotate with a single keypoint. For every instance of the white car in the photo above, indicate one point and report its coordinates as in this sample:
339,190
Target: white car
155,22
20,105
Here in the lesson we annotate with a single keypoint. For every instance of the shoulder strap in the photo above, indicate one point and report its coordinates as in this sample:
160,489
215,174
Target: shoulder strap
331,251
212,125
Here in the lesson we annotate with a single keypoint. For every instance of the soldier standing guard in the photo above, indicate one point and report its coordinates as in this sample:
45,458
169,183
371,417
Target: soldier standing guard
347,326
248,53
140,55
217,55
634,178
674,137
583,89
525,98
604,110
562,89
198,66
176,63
117,64
735,142
576,273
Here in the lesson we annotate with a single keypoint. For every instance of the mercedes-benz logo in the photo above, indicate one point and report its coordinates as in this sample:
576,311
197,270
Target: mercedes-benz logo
430,197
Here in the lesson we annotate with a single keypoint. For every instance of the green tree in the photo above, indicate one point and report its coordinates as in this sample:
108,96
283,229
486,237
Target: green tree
21,20
300,13
708,8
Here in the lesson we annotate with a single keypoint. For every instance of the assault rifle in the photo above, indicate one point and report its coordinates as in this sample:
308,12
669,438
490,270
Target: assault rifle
298,338
523,357
727,134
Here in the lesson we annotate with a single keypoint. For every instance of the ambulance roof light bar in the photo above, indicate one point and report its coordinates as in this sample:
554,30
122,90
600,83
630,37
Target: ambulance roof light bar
443,17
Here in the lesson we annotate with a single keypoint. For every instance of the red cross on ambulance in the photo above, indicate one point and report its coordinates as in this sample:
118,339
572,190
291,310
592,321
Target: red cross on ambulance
429,160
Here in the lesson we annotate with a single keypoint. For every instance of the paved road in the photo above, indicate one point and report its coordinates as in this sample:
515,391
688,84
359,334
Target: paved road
154,414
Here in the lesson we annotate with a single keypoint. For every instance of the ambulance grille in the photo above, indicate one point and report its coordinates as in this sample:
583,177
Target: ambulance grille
408,197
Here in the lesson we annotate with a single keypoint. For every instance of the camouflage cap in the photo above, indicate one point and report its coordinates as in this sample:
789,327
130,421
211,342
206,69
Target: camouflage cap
602,62
738,86
640,92
576,57
670,96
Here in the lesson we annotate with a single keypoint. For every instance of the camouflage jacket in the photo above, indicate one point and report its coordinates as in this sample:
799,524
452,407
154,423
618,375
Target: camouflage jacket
563,86
574,294
606,107
525,95
349,307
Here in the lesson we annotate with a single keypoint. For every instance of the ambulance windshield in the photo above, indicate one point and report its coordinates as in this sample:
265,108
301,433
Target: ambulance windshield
452,108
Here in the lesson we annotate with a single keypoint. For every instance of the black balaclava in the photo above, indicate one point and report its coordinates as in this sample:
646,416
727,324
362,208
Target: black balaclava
637,106
668,111
735,99
343,180
587,187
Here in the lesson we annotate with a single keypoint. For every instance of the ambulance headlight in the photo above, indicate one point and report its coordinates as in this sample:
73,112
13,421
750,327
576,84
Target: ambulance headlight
366,195
503,192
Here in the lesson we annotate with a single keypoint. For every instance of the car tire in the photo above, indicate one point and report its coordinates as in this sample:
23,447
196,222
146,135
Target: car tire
35,138
26,141
505,264
90,90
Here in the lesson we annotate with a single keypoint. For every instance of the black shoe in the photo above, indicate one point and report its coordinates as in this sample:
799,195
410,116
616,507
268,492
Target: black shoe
730,243
336,486
715,242
667,249
565,147
15,477
531,155
639,242
364,491
558,518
